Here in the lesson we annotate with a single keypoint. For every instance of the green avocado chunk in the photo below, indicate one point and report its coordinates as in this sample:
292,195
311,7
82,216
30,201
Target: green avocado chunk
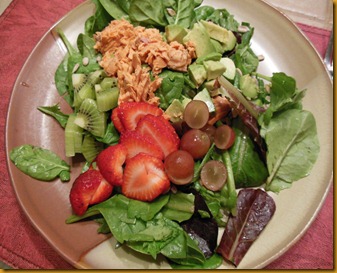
201,40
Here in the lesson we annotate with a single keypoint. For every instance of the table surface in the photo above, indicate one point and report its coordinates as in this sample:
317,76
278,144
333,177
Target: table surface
22,25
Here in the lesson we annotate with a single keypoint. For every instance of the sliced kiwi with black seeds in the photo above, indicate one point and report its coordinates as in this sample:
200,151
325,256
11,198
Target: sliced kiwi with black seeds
108,82
90,118
91,147
84,90
73,137
106,98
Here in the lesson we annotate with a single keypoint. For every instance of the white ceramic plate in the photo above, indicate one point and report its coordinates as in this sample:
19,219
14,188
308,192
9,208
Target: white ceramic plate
46,204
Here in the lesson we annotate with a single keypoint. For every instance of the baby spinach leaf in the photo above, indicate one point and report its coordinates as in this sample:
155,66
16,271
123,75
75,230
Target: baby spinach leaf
218,16
61,81
85,45
293,147
111,135
211,263
54,111
98,21
146,211
248,168
112,8
255,208
153,236
171,87
124,5
148,13
180,207
245,59
180,12
39,163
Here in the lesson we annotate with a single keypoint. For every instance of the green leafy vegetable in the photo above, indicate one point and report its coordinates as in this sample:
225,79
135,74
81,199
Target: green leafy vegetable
171,87
218,16
248,168
111,135
244,58
113,9
148,232
283,95
211,263
61,81
293,147
180,12
55,112
180,207
40,163
148,13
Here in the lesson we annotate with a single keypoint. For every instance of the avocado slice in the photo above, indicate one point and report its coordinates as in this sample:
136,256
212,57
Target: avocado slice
175,111
201,40
214,56
197,73
248,86
214,69
230,68
175,33
209,85
218,46
218,33
204,96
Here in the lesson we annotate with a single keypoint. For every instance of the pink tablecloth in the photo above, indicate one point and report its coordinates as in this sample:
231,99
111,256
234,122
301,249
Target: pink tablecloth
21,26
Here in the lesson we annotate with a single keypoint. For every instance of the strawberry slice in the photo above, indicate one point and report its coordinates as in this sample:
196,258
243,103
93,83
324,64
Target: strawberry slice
110,163
116,120
130,113
144,178
88,188
136,143
160,131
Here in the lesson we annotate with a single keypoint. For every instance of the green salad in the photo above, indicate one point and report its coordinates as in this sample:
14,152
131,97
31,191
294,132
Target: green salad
259,137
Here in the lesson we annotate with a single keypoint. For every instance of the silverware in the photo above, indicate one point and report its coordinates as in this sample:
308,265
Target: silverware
328,58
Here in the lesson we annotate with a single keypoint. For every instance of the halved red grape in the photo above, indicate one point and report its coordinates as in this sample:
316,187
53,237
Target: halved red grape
195,142
196,114
179,167
224,137
213,175
210,131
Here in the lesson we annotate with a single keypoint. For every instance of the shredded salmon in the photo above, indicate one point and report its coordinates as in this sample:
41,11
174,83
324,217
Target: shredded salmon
130,53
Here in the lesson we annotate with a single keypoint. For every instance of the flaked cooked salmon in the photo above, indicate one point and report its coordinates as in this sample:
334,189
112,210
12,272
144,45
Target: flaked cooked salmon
130,53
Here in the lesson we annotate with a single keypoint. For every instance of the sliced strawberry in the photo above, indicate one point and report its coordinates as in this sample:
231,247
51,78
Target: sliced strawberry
110,163
131,112
136,143
160,131
144,178
116,120
88,188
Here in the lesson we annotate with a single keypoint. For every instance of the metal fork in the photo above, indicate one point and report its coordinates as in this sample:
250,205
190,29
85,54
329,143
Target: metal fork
328,58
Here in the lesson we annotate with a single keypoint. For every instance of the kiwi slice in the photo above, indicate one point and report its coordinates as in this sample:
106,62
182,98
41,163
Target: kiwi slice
84,85
109,82
91,148
90,118
73,137
107,97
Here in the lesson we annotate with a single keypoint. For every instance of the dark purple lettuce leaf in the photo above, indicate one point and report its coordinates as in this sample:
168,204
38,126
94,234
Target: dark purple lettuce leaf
255,208
203,230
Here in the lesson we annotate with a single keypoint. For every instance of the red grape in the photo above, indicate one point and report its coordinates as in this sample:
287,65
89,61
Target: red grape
195,142
179,167
224,137
213,175
196,114
210,131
